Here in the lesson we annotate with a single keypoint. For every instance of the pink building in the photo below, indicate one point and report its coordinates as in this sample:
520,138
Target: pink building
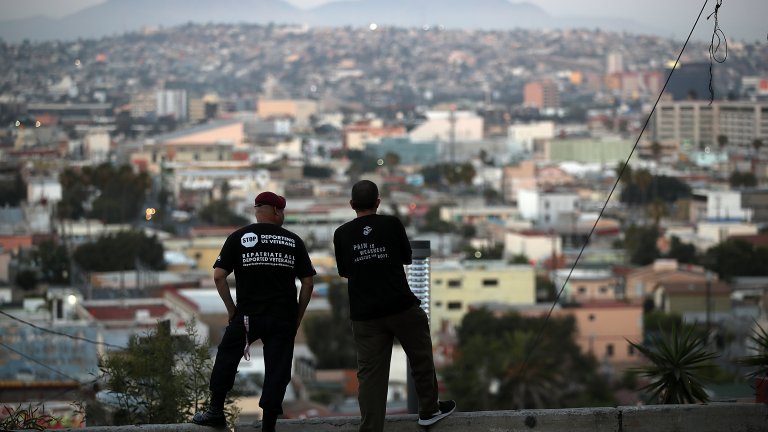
604,329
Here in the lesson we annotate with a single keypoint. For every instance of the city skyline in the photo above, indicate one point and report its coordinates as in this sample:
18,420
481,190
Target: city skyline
738,19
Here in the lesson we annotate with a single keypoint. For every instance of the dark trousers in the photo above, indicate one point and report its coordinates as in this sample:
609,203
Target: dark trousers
277,334
373,340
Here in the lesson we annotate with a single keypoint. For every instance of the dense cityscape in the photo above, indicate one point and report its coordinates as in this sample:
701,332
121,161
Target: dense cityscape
584,183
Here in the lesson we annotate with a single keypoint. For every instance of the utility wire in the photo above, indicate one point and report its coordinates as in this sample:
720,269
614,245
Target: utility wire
540,333
59,393
47,330
34,360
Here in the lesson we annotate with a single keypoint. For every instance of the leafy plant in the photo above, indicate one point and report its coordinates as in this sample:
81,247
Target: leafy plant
678,365
26,418
759,361
160,378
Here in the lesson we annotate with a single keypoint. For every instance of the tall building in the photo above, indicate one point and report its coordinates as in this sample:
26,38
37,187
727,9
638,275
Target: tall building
541,94
614,62
695,124
172,103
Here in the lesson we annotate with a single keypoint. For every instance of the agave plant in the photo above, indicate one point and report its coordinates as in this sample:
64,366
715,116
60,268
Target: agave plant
677,363
759,361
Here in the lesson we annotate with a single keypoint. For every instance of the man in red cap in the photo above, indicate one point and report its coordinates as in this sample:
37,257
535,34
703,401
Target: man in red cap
266,259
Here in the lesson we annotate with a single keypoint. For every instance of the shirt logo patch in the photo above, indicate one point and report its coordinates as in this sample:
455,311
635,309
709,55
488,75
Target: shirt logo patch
367,230
249,240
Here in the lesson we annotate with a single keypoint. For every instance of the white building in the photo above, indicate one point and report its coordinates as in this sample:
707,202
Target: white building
97,145
536,245
521,136
726,206
448,126
41,189
712,233
547,208
172,102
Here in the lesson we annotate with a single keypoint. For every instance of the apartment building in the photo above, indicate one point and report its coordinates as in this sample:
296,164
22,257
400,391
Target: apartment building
455,286
697,124
541,94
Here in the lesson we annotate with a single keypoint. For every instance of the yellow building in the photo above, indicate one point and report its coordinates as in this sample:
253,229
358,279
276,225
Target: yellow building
300,110
202,246
455,286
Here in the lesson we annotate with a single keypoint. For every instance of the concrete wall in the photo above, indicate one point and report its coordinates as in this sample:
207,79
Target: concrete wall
714,417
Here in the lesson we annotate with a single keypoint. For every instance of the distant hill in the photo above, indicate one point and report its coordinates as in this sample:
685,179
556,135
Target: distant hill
120,16
489,14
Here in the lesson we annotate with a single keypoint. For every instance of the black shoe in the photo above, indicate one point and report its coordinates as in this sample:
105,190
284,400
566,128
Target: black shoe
209,418
446,408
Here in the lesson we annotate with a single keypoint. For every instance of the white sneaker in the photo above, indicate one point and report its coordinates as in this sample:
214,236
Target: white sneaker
446,408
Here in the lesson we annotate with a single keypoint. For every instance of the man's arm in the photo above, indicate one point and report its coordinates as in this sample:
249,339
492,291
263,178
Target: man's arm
222,286
305,294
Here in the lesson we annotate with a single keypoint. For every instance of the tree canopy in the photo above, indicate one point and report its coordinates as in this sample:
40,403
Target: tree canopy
640,244
121,251
736,257
501,364
111,194
218,213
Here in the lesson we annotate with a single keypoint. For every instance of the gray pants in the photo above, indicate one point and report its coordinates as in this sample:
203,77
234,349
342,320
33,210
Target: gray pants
373,340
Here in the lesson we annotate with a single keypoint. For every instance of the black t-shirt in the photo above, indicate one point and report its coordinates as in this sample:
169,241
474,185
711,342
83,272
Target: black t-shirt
370,252
266,259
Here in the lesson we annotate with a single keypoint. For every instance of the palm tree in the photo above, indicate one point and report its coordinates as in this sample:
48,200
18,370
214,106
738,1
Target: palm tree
722,141
643,179
656,149
677,363
756,144
625,171
758,361
657,209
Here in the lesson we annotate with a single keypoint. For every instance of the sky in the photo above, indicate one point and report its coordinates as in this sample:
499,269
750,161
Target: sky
743,19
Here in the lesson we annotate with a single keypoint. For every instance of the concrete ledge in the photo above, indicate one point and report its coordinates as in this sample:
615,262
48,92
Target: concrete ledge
724,417
582,419
713,417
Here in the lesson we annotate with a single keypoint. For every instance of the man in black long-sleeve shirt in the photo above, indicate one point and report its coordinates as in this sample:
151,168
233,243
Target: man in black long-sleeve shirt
370,252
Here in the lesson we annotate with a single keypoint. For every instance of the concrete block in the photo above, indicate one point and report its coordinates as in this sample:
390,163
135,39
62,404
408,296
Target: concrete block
578,419
712,417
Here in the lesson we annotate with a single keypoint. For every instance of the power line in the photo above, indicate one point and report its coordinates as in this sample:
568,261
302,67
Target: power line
60,333
59,393
613,189
34,360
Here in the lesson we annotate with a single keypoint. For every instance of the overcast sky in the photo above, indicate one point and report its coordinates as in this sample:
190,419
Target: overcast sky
742,19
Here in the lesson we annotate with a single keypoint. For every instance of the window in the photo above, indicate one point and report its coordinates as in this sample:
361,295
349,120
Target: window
603,290
630,350
591,317
454,283
609,350
454,305
438,281
438,304
490,282
582,290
